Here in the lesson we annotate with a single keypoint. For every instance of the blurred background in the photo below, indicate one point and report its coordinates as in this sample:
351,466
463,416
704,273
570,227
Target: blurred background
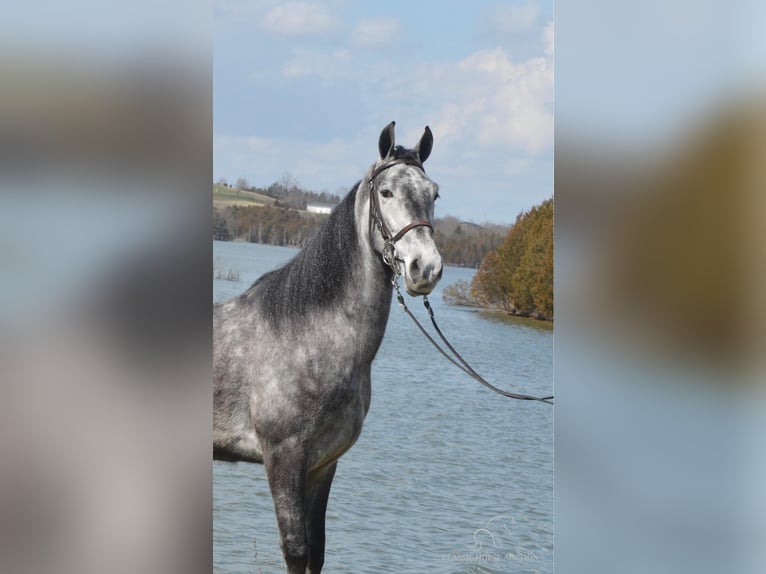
106,273
105,287
659,266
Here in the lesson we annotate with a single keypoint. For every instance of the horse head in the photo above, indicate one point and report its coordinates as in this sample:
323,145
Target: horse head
402,200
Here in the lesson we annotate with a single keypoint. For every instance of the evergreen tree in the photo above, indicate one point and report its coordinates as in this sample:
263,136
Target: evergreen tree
518,276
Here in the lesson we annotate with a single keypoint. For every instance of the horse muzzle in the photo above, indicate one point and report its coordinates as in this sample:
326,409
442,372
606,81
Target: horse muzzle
421,276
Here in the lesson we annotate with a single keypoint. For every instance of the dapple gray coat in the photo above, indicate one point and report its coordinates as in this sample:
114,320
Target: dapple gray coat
293,354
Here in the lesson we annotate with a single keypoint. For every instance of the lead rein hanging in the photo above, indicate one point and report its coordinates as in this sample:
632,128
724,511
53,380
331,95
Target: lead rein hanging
462,364
390,259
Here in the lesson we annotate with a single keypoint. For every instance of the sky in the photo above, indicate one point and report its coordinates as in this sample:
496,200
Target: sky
304,88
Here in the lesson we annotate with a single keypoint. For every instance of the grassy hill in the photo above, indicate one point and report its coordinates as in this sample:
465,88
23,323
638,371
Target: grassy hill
229,196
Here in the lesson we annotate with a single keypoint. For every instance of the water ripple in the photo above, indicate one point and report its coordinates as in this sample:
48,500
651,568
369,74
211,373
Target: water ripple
439,458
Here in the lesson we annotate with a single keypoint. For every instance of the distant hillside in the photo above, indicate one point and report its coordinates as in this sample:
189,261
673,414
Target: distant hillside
225,195
465,244
284,193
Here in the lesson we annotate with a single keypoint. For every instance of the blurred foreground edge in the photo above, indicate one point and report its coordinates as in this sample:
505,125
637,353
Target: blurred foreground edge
105,171
659,349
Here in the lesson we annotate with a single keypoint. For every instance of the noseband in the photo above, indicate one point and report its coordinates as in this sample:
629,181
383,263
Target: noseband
376,217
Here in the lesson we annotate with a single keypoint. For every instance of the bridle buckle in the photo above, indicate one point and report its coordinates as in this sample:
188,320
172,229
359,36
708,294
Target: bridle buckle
389,254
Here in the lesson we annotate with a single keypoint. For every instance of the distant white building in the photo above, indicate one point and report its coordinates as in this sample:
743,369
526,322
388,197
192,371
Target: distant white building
319,207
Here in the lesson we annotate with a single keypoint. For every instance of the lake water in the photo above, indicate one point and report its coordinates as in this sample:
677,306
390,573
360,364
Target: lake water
446,476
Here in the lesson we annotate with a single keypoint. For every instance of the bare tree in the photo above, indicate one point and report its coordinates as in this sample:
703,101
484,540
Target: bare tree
288,182
242,185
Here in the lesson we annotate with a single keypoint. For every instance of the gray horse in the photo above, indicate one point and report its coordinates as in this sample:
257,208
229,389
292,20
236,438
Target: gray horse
293,354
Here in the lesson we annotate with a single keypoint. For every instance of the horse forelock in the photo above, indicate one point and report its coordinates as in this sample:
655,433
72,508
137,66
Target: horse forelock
401,152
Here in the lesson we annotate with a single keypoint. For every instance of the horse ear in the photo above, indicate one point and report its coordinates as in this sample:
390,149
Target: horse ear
423,149
386,141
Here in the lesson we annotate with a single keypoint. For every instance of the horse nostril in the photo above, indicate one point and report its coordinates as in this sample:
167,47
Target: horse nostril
433,272
415,268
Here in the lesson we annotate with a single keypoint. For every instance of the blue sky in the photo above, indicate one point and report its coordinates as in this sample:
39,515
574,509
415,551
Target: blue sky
305,87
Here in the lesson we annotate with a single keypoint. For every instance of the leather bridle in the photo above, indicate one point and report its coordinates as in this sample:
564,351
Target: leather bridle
376,217
390,259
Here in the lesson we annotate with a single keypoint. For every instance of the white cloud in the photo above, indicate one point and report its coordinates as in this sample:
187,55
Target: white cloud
375,33
485,102
298,19
515,105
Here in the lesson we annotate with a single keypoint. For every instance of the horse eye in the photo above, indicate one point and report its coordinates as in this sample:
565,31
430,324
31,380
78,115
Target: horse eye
386,193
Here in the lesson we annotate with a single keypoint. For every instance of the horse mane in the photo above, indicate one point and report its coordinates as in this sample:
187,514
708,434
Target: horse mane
315,277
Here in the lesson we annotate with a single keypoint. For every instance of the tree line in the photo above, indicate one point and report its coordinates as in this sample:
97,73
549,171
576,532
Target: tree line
264,224
460,243
517,277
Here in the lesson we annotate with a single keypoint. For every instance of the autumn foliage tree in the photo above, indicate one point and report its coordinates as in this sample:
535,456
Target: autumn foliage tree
518,276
